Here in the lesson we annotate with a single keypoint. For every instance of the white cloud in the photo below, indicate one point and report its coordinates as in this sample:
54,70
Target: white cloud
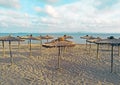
10,3
48,1
73,17
51,11
84,15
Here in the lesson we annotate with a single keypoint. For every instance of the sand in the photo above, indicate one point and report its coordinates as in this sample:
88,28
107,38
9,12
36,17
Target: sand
77,66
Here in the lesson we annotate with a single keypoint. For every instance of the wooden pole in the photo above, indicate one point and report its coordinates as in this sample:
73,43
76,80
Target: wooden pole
118,50
89,48
97,51
86,44
10,52
28,43
18,46
40,47
3,48
59,57
111,58
30,48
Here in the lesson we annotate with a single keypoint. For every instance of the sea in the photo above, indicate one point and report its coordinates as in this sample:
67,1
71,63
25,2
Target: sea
76,36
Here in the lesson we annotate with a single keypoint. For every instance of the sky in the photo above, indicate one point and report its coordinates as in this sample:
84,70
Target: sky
40,16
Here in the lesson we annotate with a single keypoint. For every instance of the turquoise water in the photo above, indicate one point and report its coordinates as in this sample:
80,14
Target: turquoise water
76,36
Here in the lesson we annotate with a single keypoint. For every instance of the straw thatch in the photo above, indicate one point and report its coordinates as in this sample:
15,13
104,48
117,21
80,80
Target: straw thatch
87,37
111,41
30,38
59,43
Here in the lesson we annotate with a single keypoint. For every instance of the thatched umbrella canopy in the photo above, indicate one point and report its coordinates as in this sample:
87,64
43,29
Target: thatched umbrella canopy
30,38
47,37
59,43
9,39
67,37
86,38
113,42
94,40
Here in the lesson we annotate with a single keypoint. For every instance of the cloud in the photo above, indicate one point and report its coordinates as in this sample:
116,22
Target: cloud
84,15
48,10
51,11
48,1
10,3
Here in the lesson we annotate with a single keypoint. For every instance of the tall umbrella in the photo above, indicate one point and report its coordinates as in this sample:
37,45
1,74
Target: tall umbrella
59,44
9,39
40,37
112,42
30,38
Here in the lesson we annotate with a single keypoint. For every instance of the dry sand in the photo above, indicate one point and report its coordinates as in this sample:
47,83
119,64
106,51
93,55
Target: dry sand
78,66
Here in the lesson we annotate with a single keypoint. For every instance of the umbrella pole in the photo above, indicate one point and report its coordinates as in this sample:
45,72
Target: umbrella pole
18,46
118,50
97,51
10,52
3,48
30,48
40,47
89,48
112,59
28,43
59,57
86,44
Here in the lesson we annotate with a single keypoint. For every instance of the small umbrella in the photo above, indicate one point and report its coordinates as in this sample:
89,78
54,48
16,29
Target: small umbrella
87,37
59,43
94,40
47,37
67,37
9,39
30,38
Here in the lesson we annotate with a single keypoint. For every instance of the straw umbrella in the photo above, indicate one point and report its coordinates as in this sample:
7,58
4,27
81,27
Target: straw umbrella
94,40
59,43
112,42
30,38
67,37
87,37
9,39
47,37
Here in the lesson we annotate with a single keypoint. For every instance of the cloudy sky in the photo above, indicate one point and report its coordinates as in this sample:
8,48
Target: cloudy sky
60,16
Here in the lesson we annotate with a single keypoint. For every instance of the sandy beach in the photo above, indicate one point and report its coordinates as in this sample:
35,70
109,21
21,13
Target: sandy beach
78,66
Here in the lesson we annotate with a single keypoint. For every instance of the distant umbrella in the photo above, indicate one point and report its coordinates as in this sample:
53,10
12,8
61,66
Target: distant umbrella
47,37
87,37
67,37
59,43
9,39
94,40
30,38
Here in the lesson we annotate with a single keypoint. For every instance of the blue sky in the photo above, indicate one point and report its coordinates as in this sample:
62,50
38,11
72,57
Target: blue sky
60,16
